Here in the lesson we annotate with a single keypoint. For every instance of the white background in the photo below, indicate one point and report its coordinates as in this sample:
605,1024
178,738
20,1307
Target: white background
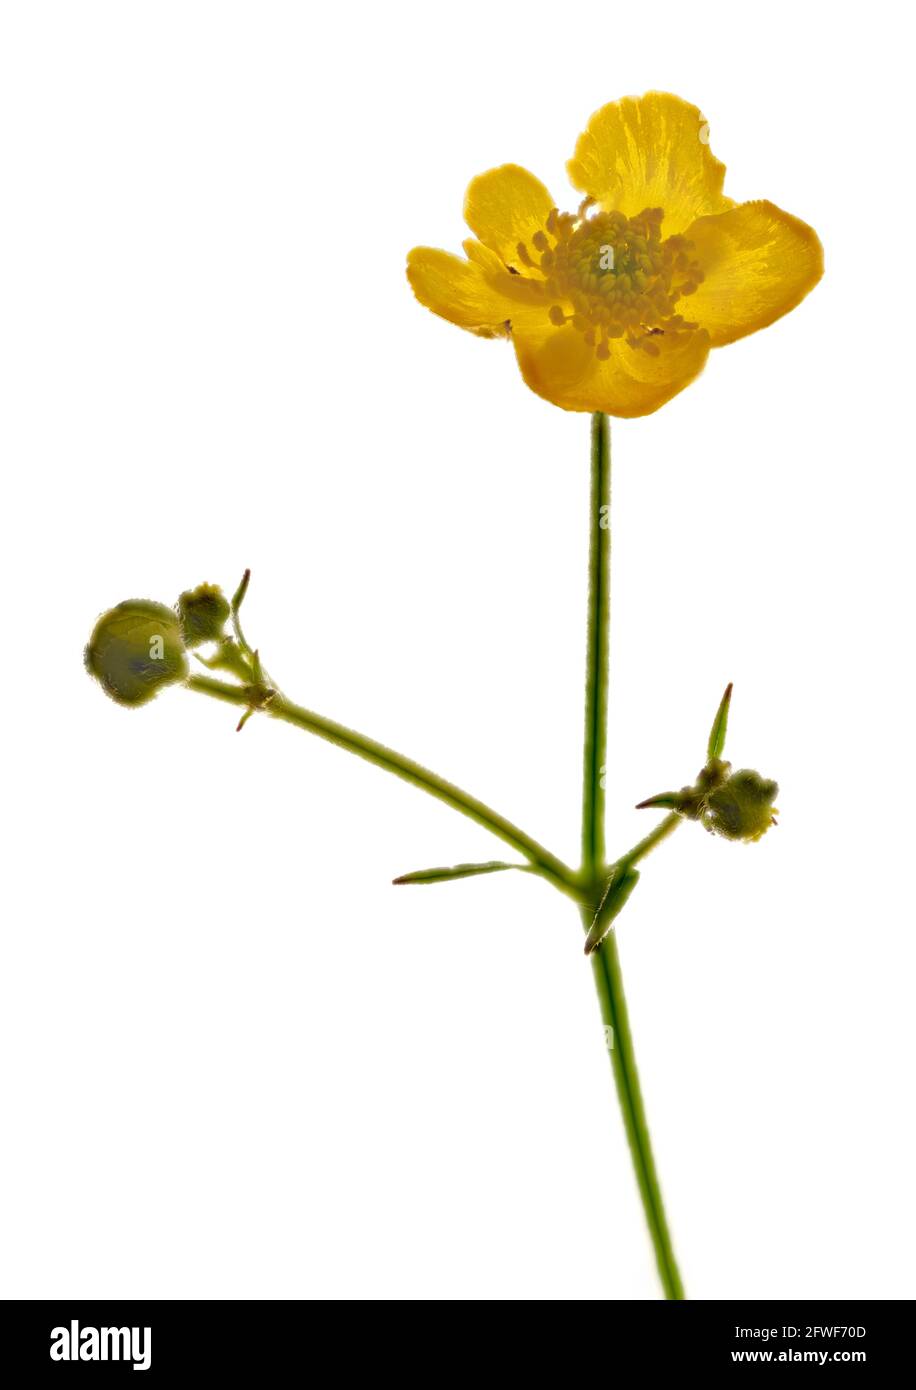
235,1060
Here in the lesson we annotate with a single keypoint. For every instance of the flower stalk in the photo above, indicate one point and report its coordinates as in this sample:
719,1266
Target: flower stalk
278,707
604,954
596,666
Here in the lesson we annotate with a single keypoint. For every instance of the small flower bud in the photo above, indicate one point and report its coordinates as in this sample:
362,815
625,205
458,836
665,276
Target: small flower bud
742,807
203,612
135,650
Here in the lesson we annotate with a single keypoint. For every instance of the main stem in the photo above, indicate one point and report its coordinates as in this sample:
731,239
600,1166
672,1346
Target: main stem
605,961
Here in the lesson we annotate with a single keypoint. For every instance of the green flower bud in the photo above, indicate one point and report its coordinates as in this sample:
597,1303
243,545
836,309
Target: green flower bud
203,612
136,649
742,807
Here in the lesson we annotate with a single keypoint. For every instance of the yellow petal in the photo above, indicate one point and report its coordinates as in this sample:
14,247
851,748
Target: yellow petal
505,206
458,290
482,255
525,288
560,366
759,262
650,152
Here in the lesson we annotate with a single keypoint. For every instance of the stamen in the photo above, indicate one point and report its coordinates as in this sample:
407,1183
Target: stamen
612,277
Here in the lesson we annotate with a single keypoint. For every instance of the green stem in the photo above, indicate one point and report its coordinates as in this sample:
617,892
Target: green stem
655,837
609,983
596,667
605,960
280,708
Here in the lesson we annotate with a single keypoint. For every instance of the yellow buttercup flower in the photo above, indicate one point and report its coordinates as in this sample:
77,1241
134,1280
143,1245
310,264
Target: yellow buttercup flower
615,307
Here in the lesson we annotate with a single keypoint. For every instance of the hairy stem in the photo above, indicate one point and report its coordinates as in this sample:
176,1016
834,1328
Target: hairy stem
596,666
609,983
279,707
645,846
605,960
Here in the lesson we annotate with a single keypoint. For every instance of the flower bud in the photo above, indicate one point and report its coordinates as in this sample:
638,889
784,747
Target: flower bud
203,612
742,807
135,650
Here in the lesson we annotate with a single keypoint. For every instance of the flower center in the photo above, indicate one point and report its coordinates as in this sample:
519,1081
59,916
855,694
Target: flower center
619,276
